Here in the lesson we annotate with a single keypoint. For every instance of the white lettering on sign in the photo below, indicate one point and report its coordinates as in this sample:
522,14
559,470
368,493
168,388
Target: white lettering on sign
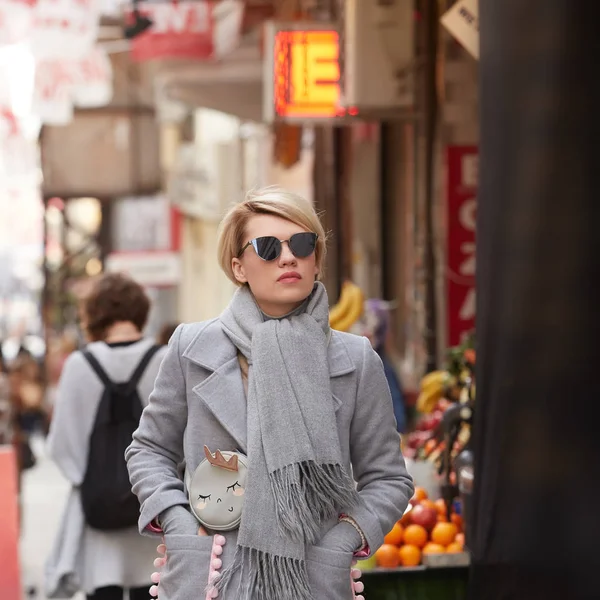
467,266
469,170
467,214
188,17
467,310
468,219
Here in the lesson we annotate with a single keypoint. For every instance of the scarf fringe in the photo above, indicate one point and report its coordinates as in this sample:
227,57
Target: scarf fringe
307,495
265,576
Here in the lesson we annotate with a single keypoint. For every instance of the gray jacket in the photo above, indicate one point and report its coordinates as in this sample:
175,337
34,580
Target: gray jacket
199,399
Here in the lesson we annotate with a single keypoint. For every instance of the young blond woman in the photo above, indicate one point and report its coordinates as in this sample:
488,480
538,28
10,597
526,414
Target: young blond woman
306,408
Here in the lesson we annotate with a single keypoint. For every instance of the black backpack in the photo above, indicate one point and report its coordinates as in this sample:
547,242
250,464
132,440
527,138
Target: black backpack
106,496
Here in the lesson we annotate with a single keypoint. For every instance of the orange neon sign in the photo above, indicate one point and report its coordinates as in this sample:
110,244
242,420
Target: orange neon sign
307,74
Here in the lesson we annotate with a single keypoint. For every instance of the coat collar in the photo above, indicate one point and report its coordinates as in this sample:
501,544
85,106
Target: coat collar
223,392
211,349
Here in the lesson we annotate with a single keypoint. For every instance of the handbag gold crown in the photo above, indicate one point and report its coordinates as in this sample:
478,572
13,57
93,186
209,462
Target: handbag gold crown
218,460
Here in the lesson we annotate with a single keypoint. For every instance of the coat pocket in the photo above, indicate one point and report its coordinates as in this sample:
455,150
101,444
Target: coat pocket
185,576
329,574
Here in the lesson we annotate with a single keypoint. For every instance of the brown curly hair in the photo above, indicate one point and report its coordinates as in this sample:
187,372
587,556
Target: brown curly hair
113,298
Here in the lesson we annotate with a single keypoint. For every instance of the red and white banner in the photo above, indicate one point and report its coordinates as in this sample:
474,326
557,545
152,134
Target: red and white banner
65,29
194,30
16,20
462,183
57,66
62,84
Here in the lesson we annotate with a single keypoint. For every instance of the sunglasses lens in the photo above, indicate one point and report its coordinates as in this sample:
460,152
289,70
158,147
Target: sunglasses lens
303,244
268,247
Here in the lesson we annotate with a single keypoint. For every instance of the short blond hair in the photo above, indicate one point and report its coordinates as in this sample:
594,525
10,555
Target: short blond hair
274,201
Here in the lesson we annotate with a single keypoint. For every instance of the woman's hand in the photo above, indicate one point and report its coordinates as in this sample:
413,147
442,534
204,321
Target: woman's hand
343,537
161,561
178,520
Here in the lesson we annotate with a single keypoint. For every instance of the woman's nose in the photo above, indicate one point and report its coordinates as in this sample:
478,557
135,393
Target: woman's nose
286,256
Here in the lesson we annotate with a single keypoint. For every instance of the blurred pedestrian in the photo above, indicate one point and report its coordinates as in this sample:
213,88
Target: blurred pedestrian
6,410
93,398
165,333
31,390
26,399
375,324
268,384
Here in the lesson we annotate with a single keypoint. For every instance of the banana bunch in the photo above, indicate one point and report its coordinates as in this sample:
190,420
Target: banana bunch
348,309
433,386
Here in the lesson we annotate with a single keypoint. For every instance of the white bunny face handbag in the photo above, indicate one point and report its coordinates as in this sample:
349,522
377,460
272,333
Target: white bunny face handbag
217,488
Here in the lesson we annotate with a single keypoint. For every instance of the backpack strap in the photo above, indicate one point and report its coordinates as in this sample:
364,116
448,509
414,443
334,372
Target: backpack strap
93,361
139,371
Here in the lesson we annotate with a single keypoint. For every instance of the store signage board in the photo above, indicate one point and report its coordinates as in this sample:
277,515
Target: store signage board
462,21
201,29
151,269
461,188
302,73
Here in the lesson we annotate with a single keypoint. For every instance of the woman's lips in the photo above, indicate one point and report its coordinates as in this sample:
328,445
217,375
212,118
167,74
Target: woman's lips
291,277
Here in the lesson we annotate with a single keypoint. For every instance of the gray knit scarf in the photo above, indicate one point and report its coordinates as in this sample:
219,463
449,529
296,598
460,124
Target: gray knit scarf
296,478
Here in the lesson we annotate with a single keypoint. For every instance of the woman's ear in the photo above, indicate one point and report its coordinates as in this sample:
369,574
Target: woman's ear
238,270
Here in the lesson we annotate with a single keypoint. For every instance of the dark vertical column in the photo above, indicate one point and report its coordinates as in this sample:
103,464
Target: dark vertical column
326,204
429,83
389,253
344,230
537,478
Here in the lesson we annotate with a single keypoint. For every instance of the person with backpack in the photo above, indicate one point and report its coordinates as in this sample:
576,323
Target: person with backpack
100,397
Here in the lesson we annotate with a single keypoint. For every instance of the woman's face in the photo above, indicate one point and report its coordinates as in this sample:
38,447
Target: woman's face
280,285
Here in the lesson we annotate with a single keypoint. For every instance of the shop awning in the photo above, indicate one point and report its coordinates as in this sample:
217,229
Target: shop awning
232,85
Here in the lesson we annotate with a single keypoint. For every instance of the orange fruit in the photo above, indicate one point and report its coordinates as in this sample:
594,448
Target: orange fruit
457,520
410,556
387,556
419,495
415,535
430,446
444,533
442,518
460,539
440,506
394,537
454,548
406,518
427,503
432,548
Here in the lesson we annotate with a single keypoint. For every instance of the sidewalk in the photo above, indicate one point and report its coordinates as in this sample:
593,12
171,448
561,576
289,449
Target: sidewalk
44,495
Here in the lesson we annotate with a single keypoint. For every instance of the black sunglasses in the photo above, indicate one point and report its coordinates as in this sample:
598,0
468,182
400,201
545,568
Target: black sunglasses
269,247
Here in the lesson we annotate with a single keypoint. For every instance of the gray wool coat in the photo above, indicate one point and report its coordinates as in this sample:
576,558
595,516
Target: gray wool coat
84,558
199,399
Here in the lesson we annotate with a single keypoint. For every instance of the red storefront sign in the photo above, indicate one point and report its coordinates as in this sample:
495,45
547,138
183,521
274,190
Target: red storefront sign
201,29
462,180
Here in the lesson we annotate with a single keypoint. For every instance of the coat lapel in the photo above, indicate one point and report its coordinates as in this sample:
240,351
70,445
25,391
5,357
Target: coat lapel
340,364
222,391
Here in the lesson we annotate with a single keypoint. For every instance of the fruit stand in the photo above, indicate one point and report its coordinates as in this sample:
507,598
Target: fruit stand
424,556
